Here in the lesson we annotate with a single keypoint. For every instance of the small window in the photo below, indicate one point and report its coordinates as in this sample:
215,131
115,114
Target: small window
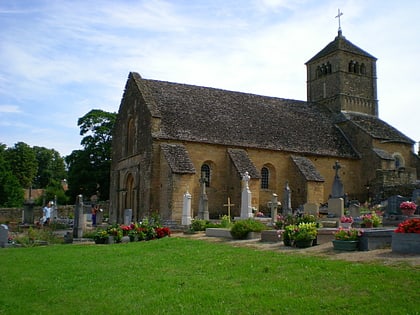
205,171
264,178
362,68
399,161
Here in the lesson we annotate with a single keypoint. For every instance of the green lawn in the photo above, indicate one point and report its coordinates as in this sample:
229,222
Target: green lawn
185,276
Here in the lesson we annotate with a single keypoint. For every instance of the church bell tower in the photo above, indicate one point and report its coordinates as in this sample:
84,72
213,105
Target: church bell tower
343,77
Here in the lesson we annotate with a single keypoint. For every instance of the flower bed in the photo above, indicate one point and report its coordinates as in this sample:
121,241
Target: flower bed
141,231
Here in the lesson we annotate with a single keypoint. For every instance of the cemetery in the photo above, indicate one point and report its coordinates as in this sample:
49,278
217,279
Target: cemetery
359,227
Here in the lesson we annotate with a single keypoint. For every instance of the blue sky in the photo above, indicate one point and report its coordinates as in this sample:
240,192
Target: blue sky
60,59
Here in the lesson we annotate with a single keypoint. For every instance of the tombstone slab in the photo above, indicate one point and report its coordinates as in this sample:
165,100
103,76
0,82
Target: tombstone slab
336,207
4,235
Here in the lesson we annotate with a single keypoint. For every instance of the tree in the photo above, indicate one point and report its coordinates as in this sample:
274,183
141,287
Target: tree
23,163
89,169
51,167
11,193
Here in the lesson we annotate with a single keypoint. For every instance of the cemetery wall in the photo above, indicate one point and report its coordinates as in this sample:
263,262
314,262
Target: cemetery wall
15,214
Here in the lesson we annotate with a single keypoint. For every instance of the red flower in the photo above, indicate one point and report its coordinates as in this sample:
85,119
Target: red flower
409,226
408,205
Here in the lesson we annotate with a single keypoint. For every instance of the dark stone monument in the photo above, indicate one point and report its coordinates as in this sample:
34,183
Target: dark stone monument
393,207
337,188
28,212
78,218
4,235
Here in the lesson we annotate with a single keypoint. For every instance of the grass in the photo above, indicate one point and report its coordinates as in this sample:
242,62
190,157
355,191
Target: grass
185,276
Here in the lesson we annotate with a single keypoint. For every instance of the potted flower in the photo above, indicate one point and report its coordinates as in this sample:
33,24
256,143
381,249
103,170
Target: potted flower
346,239
101,236
406,237
304,235
370,220
346,221
408,208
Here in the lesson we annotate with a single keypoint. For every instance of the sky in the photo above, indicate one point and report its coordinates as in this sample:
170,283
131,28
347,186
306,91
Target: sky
61,59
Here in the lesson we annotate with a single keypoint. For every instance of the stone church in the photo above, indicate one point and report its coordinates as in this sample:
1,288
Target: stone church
170,137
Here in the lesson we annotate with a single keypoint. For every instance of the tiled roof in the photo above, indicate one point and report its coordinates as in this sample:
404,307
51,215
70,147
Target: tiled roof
307,168
208,115
383,154
242,163
178,158
340,43
377,128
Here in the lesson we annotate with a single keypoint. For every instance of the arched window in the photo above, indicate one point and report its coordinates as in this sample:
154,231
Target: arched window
329,69
264,177
351,66
356,67
398,161
205,171
362,68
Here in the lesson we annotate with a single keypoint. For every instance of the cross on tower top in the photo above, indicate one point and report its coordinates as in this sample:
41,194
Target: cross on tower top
339,19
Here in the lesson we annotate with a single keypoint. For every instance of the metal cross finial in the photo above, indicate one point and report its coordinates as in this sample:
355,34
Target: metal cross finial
339,20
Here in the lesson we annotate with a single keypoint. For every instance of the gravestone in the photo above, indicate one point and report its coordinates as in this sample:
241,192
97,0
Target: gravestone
393,207
273,207
416,198
203,205
337,188
246,208
287,199
186,209
4,235
28,212
354,210
336,207
128,215
78,221
311,209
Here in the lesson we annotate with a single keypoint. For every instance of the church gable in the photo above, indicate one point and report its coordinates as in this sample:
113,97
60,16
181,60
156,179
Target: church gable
242,163
178,159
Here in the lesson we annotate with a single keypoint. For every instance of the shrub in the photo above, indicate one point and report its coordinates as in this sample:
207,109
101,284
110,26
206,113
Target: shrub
198,225
240,229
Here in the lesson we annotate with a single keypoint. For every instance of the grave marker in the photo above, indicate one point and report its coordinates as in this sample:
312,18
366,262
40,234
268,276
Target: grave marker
246,208
228,205
4,235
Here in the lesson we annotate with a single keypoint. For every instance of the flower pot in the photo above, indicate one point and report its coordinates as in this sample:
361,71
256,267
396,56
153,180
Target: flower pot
287,242
408,212
367,225
100,241
406,243
345,245
304,243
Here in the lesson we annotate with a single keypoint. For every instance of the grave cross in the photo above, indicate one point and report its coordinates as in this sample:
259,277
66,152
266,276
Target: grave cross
336,167
228,205
339,20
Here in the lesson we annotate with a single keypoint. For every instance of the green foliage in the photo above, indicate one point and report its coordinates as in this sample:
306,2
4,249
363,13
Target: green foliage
300,232
23,163
241,228
11,193
32,237
51,168
198,225
89,169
